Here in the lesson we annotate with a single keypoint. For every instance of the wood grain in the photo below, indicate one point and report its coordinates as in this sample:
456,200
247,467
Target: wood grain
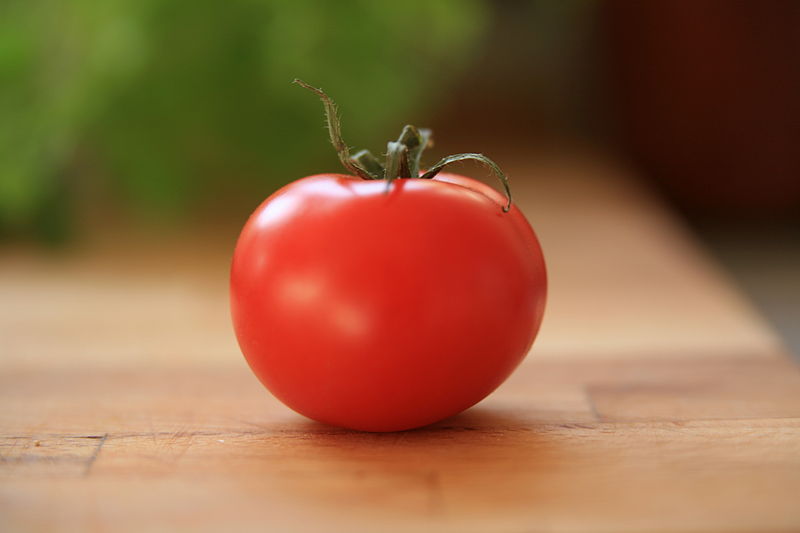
656,399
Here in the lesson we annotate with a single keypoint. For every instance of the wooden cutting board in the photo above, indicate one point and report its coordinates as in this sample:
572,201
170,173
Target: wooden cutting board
655,399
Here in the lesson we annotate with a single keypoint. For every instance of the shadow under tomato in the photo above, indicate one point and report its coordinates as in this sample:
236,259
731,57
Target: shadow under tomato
472,459
475,418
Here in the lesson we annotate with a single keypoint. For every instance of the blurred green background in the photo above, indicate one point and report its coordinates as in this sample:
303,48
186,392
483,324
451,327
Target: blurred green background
149,110
160,119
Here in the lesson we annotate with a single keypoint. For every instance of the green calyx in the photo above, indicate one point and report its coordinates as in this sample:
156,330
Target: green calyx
402,156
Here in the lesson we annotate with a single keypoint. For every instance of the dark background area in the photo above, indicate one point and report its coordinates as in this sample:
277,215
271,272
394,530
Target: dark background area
699,98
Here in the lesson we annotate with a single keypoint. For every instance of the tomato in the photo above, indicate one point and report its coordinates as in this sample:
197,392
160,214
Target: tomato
385,307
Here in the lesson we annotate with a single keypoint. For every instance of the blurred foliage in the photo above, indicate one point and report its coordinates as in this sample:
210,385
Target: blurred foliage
158,105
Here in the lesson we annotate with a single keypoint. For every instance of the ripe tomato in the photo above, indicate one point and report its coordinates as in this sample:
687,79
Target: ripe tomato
386,307
385,312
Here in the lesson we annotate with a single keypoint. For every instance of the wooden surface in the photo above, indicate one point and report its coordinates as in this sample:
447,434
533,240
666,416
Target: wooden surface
654,400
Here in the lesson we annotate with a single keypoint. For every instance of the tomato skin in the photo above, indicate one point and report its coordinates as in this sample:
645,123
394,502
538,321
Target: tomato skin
385,311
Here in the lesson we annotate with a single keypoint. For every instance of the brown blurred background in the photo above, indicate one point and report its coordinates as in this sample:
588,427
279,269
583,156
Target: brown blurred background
143,122
699,99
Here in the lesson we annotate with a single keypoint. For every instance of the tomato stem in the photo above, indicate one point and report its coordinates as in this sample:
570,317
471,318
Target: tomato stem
402,156
396,161
369,163
335,131
435,169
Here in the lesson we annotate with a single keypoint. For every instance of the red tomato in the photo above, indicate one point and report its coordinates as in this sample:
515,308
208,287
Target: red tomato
385,310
